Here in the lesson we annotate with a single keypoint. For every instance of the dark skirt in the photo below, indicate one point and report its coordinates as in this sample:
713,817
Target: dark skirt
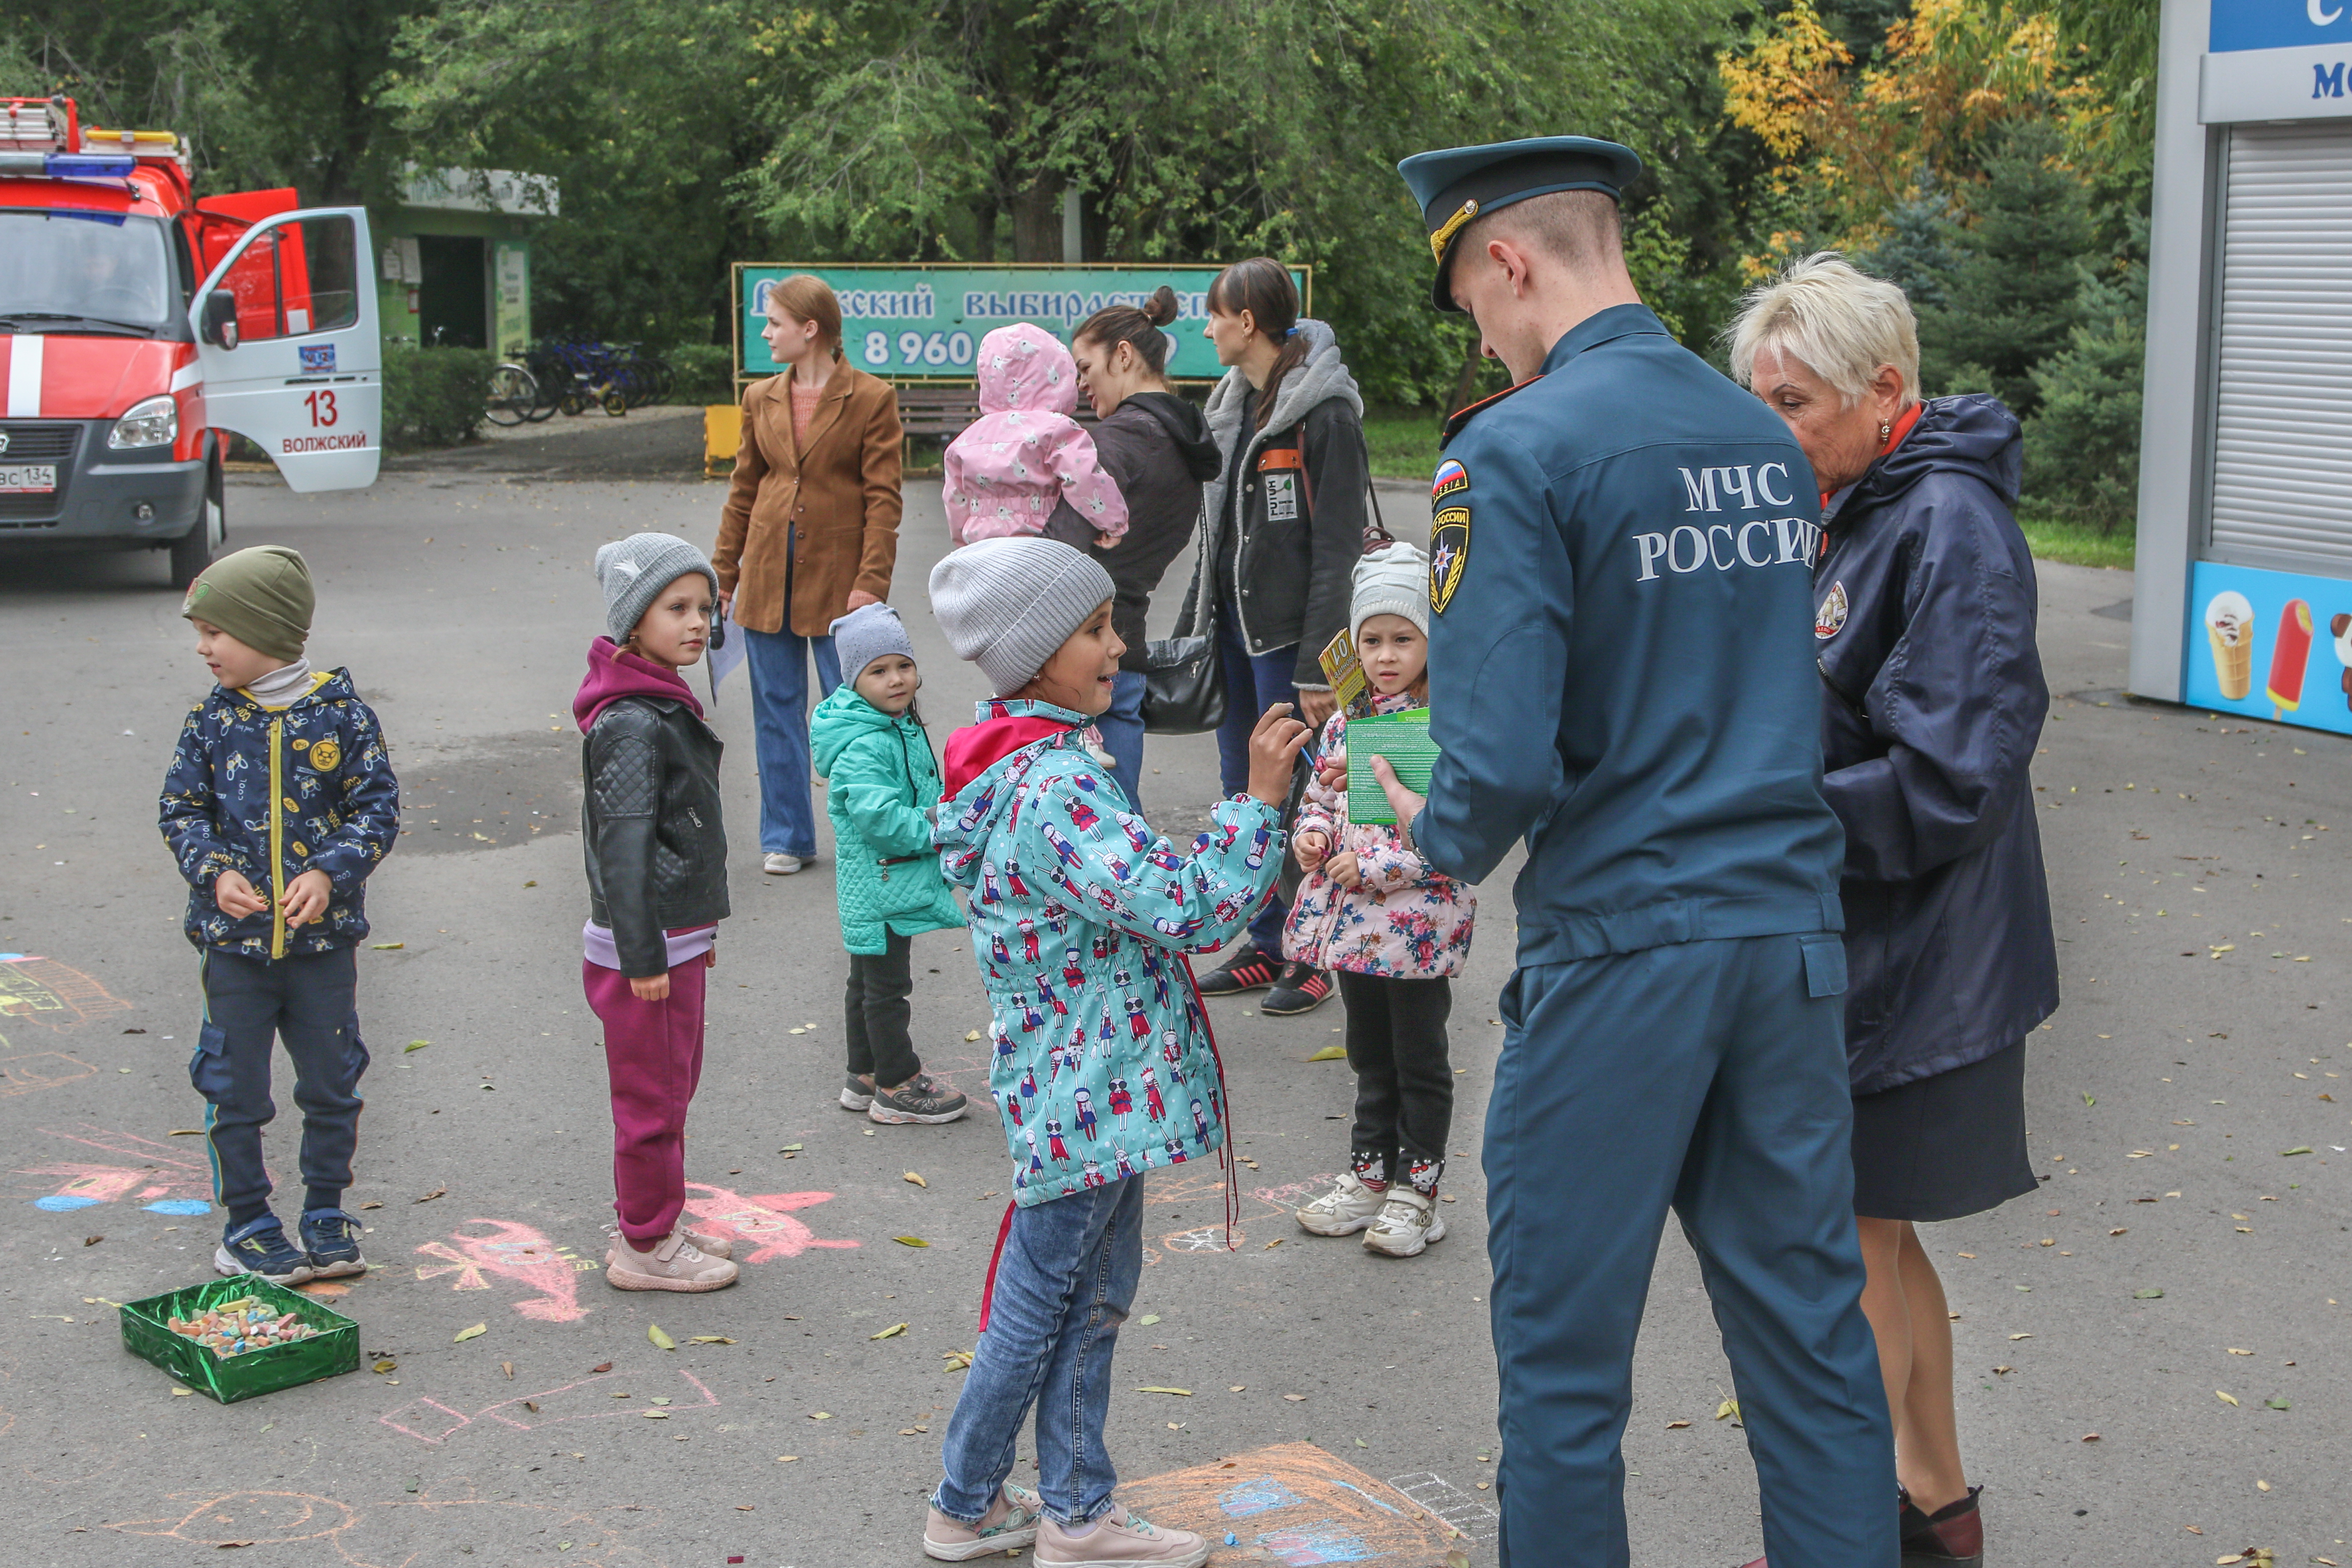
1940,1147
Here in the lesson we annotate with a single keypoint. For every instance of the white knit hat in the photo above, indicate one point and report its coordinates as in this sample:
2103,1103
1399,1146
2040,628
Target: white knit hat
1391,580
1007,603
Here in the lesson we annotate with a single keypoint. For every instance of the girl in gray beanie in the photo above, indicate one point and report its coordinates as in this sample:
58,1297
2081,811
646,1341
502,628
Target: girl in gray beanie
1102,1067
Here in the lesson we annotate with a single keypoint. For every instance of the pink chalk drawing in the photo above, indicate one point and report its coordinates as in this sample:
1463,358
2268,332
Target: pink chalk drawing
518,1254
161,1181
41,1069
45,992
430,1421
765,1220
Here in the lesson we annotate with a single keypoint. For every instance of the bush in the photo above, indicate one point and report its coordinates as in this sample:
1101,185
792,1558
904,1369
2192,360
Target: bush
706,373
2082,447
433,397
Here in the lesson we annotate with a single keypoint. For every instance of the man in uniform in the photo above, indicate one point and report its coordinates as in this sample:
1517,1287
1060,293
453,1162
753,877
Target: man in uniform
1620,564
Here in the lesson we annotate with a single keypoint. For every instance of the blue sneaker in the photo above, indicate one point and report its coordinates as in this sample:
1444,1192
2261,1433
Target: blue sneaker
331,1238
260,1247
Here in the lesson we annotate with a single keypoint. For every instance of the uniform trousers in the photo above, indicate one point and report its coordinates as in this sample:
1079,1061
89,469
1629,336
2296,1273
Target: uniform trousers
653,1056
309,1003
1707,1077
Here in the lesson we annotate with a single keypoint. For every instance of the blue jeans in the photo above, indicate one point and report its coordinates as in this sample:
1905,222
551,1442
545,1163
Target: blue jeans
1122,732
780,702
1063,1284
1253,682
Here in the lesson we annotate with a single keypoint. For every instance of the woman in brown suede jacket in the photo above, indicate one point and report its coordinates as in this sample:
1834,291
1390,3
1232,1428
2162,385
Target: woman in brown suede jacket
810,532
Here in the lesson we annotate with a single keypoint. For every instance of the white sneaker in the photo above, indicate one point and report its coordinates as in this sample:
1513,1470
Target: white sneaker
781,865
1118,1540
674,1264
1408,1222
1344,1211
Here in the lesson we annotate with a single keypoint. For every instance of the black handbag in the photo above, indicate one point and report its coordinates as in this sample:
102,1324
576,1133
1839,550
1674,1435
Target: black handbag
1184,683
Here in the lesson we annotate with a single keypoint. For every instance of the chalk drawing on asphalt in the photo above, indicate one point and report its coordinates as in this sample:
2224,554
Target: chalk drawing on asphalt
585,1399
163,1183
1298,1506
45,992
763,1221
514,1254
40,1070
1472,1515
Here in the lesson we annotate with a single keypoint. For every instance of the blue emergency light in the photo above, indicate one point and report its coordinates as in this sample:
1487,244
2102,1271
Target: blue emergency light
89,166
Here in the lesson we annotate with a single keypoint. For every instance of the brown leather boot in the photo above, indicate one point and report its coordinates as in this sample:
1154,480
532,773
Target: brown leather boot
1951,1537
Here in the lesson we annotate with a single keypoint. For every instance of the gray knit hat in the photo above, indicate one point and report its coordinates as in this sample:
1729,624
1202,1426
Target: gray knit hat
1006,604
1391,580
868,633
632,572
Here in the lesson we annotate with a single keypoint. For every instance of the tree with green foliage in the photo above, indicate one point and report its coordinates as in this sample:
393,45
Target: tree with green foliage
2082,446
2008,300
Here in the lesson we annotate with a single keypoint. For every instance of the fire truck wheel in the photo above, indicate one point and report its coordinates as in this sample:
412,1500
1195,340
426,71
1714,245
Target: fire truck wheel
193,551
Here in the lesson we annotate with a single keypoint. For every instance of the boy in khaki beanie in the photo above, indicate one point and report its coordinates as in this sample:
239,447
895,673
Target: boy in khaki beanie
279,801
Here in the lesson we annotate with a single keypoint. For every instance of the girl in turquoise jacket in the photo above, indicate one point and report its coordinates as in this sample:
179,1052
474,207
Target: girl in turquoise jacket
882,789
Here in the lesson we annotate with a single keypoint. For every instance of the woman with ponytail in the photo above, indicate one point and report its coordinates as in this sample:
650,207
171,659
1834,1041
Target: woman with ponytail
1285,519
1156,446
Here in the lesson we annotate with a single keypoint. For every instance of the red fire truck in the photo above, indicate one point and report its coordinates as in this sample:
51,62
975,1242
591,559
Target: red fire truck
140,324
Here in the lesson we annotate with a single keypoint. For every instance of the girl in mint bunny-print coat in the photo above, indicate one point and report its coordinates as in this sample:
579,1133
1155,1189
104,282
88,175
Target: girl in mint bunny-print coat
1079,916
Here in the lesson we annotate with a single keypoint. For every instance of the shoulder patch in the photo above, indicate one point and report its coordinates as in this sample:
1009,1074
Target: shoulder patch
1449,552
1462,416
1830,618
1451,476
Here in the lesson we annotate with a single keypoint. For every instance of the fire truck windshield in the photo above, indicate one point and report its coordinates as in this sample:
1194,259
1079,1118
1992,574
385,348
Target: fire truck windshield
62,272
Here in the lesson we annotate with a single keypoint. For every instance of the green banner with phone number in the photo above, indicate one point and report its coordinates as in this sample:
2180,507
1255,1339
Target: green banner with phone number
915,323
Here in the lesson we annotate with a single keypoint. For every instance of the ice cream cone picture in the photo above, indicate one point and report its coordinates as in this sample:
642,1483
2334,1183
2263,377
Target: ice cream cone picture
2230,625
2288,656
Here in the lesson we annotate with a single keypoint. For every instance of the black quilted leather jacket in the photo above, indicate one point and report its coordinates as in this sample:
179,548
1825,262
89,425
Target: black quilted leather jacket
656,853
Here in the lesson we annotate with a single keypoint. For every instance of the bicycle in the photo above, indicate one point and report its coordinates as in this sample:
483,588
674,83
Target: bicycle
513,395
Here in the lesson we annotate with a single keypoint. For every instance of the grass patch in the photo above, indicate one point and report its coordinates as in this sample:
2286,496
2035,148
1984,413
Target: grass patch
1403,446
2077,544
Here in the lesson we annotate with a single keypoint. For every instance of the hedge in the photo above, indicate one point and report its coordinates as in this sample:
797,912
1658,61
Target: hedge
433,397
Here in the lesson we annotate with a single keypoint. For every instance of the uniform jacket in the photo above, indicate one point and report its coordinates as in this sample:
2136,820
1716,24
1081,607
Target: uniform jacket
1024,454
880,783
1156,447
271,793
1621,671
1403,920
649,822
1290,564
829,512
1932,705
1102,1064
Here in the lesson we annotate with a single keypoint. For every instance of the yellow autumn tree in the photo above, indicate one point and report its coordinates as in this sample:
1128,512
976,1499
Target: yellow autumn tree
1851,143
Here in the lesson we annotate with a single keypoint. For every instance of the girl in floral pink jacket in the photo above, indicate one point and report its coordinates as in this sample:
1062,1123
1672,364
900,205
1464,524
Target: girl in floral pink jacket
1024,454
1394,932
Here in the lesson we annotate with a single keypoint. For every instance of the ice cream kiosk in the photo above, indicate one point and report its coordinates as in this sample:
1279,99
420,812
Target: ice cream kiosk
2243,595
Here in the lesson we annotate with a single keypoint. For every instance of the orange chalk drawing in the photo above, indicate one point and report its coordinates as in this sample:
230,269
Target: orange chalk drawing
765,1220
1295,1505
408,1531
586,1399
39,1070
45,992
518,1254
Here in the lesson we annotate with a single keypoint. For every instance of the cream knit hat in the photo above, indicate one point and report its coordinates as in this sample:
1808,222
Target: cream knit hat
1391,580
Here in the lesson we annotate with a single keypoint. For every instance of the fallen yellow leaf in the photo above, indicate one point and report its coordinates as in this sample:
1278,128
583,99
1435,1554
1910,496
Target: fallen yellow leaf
892,1332
711,1339
2225,1398
465,1334
910,1241
917,1178
661,1340
1184,1392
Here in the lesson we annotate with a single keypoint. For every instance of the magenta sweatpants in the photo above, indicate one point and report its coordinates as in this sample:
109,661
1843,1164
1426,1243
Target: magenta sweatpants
652,1054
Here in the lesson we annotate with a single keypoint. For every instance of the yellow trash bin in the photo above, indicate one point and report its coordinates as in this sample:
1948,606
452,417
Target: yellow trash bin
723,433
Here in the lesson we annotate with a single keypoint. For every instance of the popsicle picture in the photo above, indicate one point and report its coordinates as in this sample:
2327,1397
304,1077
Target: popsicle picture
2289,653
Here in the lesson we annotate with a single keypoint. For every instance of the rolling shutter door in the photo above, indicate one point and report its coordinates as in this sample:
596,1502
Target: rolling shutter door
2282,406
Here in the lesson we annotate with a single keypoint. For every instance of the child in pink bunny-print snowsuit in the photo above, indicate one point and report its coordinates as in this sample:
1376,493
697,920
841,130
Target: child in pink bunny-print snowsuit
1024,454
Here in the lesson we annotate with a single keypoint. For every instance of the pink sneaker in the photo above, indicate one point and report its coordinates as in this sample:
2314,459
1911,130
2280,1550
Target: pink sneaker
1118,1539
1011,1521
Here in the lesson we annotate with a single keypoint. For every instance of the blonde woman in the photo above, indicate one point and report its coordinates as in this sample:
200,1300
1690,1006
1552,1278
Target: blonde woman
1932,704
809,533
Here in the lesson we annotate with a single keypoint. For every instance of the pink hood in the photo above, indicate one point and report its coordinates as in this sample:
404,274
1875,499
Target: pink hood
615,673
1025,368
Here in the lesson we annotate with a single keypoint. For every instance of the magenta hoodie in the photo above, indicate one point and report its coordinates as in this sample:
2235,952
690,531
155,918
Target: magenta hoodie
614,672
1024,453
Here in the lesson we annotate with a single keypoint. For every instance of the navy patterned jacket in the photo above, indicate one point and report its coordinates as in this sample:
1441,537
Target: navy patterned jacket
271,793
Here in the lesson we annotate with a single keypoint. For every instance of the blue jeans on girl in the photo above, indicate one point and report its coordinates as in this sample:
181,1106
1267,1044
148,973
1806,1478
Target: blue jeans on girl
1253,682
779,662
1063,1284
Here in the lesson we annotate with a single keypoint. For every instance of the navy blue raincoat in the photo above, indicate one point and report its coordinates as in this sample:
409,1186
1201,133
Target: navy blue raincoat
1932,706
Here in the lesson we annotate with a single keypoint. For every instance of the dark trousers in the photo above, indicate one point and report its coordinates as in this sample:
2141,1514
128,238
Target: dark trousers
1708,1078
1253,682
877,1011
1404,1085
310,1003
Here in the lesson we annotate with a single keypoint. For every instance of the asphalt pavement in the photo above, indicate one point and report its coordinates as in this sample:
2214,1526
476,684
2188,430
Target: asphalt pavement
2152,1349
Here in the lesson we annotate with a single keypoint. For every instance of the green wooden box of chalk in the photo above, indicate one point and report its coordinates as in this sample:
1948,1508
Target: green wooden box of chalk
329,1352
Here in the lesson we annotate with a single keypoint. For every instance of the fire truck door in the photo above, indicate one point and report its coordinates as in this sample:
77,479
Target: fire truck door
290,349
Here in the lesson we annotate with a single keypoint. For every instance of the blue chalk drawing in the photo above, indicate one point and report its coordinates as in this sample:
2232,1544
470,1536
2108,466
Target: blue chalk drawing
1367,1497
10,957
180,1206
1262,1495
64,1202
1305,1545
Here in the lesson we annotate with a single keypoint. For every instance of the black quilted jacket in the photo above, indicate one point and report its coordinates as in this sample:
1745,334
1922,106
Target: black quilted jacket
656,853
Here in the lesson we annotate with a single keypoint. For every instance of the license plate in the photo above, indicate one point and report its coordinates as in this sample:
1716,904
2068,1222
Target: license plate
29,479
